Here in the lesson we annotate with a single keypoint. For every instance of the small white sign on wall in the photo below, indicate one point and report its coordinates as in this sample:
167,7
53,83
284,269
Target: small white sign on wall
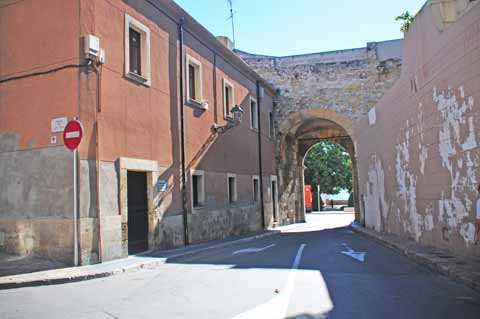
58,124
372,117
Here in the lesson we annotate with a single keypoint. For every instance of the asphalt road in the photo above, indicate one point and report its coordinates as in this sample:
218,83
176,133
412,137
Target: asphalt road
301,273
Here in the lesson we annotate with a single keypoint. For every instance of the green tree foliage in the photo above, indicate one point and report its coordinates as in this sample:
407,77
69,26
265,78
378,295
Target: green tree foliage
330,166
407,19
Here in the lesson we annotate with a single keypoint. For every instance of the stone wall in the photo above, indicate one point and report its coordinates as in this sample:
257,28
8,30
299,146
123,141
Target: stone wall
347,81
29,213
419,155
339,87
215,220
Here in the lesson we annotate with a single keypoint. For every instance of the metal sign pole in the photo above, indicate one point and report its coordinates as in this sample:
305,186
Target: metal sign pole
72,136
319,204
75,207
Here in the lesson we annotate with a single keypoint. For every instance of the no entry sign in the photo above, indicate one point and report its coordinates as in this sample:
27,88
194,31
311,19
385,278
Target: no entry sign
72,135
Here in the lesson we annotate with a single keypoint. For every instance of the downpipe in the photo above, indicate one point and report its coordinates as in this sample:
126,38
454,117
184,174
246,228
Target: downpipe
182,134
260,168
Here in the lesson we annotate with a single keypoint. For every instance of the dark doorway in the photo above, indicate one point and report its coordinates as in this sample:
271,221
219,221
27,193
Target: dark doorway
137,212
274,200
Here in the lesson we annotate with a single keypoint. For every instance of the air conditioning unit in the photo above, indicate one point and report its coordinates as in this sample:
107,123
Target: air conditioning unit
91,47
204,105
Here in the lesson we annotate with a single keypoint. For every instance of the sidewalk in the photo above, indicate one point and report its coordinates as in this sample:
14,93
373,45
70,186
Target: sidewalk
463,269
32,277
15,265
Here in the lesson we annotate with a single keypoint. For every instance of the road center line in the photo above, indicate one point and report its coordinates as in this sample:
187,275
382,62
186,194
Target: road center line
277,306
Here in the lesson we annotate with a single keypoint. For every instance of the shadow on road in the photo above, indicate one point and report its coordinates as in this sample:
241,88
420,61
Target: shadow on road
385,279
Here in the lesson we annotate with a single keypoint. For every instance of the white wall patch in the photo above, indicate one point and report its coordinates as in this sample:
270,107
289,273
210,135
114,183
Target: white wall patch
457,136
375,199
372,117
467,232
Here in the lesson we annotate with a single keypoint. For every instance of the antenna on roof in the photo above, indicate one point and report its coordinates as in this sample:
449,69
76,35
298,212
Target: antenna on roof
232,13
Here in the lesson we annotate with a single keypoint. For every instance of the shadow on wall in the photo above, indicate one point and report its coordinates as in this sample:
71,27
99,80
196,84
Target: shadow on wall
217,152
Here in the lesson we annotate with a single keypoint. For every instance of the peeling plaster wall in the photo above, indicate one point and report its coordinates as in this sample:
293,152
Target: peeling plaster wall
375,194
457,135
423,145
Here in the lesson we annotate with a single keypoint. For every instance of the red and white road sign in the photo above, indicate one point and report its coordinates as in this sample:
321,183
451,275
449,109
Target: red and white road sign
72,134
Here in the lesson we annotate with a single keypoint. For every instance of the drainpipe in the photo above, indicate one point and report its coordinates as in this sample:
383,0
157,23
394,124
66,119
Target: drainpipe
182,136
97,174
97,160
262,208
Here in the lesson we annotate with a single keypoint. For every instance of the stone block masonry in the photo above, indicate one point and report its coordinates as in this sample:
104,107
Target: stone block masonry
337,87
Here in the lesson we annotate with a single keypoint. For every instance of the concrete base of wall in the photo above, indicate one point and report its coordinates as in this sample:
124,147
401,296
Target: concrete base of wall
36,201
43,224
47,237
169,233
218,224
88,240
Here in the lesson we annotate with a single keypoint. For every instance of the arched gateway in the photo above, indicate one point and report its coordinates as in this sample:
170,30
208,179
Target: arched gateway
320,98
296,136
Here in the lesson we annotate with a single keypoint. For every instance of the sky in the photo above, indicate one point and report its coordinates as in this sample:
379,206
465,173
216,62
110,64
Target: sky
288,27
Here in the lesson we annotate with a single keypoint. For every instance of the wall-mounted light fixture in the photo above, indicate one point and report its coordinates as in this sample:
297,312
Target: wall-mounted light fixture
237,119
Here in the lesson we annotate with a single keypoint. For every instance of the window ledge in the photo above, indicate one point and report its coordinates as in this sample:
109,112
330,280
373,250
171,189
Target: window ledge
201,105
138,78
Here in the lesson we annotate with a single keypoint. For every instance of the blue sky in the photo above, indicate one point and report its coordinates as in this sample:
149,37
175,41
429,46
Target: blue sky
286,27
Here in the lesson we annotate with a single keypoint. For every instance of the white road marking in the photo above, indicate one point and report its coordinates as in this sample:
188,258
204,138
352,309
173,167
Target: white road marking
357,255
464,298
278,305
252,250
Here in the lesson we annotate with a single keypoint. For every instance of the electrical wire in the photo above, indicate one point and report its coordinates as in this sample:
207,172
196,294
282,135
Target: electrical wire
45,72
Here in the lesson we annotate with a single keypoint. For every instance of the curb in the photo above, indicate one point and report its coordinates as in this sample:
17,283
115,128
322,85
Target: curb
123,269
54,281
220,245
421,258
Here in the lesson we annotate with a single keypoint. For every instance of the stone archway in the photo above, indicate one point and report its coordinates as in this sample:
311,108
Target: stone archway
296,135
322,96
